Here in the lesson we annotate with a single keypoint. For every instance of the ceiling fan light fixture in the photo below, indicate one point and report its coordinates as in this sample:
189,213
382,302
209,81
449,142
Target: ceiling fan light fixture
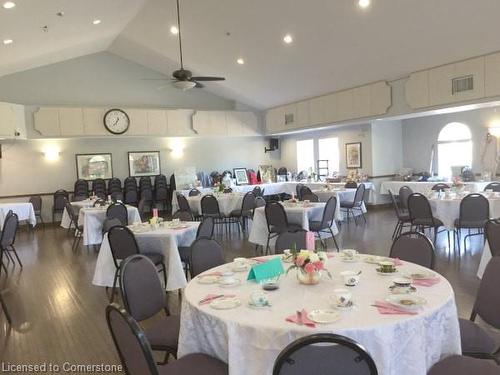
184,85
174,30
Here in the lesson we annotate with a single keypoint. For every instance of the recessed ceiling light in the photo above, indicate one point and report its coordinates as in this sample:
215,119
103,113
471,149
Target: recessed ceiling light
240,61
174,30
288,39
96,22
9,5
364,3
8,41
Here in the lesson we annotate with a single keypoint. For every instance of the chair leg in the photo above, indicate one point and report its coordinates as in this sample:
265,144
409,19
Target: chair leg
435,236
334,240
267,244
5,311
164,269
17,257
395,230
112,297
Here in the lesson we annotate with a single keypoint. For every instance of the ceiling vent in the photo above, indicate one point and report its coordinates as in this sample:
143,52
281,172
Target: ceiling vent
462,84
288,118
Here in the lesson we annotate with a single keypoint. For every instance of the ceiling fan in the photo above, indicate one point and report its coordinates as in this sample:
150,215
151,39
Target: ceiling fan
182,78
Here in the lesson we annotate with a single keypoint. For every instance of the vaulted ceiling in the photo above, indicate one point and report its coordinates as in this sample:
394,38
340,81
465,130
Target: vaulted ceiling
336,44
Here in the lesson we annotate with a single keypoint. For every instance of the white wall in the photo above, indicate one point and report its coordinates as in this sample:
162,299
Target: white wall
420,134
357,133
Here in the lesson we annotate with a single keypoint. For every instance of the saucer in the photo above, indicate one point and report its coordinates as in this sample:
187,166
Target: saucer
225,284
323,316
402,290
406,301
258,307
225,303
207,279
239,269
350,260
375,259
419,275
386,273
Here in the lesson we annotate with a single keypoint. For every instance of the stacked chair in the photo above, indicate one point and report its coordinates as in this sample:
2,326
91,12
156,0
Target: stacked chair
146,193
115,189
81,190
130,193
161,190
60,198
99,188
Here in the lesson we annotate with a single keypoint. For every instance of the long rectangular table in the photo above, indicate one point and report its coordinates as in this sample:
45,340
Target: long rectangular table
425,187
24,211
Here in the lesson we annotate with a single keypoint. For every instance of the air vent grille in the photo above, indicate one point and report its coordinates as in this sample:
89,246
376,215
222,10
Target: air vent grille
462,84
288,118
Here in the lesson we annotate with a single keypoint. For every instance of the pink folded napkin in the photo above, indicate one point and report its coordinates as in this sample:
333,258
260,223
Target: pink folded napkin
260,260
330,255
210,297
387,308
397,262
426,282
300,318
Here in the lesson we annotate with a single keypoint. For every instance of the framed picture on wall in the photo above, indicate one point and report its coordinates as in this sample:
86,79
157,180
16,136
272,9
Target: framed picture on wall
353,157
92,166
143,163
241,176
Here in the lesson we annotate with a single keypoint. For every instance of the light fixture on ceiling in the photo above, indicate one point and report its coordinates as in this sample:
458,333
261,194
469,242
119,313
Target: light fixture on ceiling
8,41
240,61
96,22
184,85
288,39
174,30
9,4
364,3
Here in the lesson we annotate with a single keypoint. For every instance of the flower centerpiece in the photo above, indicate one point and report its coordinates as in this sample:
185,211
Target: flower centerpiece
219,187
309,265
458,184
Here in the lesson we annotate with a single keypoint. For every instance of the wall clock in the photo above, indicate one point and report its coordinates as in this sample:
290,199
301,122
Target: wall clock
116,121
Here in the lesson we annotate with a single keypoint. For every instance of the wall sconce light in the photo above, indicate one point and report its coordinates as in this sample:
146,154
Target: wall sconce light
51,154
176,148
495,131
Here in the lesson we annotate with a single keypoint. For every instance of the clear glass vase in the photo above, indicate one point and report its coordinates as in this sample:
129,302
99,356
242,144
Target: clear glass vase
308,278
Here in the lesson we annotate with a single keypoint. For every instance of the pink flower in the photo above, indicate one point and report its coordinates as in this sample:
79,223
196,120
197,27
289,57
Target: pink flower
318,265
309,268
299,261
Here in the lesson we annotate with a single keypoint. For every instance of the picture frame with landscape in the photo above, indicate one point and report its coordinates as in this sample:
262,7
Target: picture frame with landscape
93,166
353,155
241,176
144,163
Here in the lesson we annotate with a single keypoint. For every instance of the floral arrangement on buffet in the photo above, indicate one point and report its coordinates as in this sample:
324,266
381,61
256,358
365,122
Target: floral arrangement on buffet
355,176
219,187
457,183
309,264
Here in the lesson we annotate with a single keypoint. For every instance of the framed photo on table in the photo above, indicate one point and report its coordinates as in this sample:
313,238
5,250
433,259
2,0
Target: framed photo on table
92,166
143,163
241,176
353,156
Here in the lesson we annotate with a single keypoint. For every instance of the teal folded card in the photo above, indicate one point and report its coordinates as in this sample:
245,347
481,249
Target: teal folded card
268,270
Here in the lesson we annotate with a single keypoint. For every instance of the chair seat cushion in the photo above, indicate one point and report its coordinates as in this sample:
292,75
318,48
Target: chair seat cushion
290,228
156,258
436,223
315,226
460,365
346,204
163,333
469,224
195,364
474,338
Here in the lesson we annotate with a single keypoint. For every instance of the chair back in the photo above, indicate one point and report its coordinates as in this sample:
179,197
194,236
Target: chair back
404,193
194,192
474,209
414,247
210,206
182,202
131,196
399,214
130,183
118,211
419,207
110,223
81,188
350,185
248,203
182,215
487,304
260,202
114,185
329,213
290,240
131,343
206,228
142,292
303,191
71,211
173,186
298,190
59,199
36,202
122,243
257,191
440,187
492,231
99,187
311,197
141,207
276,218
9,230
206,253
324,353
360,194
495,186
99,203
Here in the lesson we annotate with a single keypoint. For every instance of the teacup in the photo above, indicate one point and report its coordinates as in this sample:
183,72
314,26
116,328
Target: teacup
307,201
228,278
351,278
342,297
240,263
387,267
259,298
176,221
349,253
402,282
287,253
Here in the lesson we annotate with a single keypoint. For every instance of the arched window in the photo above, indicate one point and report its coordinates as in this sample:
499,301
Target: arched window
454,148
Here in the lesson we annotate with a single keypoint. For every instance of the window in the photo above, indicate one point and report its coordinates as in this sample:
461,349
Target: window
328,149
305,155
454,148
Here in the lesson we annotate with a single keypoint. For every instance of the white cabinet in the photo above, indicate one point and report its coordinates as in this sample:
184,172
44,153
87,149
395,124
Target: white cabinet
242,123
440,84
303,114
417,90
331,108
380,98
345,109
275,120
210,123
47,122
180,122
492,75
12,121
138,122
157,122
361,101
93,122
71,121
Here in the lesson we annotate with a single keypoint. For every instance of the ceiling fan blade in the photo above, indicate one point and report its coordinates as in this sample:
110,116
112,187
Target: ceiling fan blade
155,79
208,78
199,85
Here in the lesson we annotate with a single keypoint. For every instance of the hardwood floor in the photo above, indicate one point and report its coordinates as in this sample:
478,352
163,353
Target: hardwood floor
58,315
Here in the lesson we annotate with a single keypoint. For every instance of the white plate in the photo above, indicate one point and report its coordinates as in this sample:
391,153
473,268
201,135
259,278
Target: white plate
418,275
225,303
375,259
239,269
406,301
323,316
225,284
208,279
355,259
386,273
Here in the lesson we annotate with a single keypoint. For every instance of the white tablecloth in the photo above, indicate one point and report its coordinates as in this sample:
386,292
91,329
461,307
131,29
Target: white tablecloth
24,211
227,203
485,258
449,209
86,203
93,218
425,187
249,340
296,215
163,240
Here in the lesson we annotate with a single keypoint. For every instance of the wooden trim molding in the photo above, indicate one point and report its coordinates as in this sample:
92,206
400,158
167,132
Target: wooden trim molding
29,195
381,176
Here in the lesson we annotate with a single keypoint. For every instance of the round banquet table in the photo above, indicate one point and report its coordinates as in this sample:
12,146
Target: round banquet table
249,340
